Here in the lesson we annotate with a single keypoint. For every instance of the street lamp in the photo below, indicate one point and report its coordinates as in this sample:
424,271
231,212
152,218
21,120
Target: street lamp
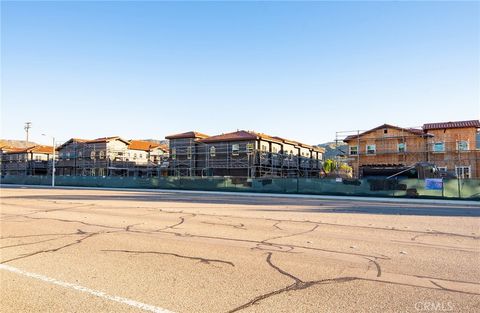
53,159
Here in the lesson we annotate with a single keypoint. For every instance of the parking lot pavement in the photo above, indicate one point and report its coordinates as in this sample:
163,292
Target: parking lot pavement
67,250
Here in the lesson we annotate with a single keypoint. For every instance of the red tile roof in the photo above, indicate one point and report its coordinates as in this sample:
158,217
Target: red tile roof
142,145
33,149
458,124
191,134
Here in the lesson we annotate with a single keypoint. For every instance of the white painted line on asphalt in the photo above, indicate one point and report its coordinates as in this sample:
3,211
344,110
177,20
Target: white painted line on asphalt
100,294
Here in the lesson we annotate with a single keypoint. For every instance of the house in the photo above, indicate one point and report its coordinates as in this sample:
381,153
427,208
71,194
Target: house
97,157
183,159
242,154
144,152
387,150
454,147
26,161
71,156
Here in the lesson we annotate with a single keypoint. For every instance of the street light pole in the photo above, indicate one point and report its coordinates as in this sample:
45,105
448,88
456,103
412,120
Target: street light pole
53,160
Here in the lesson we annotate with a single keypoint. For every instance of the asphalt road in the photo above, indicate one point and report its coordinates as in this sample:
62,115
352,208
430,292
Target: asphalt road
68,250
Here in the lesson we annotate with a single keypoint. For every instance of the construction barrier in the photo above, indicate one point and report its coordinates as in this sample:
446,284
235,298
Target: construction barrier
411,188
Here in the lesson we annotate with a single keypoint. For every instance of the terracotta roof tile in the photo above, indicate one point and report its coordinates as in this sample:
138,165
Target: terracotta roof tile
34,149
457,124
142,145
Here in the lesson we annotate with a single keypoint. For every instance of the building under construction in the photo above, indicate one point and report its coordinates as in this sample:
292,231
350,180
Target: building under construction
111,156
242,154
386,150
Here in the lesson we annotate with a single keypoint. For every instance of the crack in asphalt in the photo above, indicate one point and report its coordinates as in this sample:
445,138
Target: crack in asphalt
298,284
76,242
240,226
202,260
32,243
379,269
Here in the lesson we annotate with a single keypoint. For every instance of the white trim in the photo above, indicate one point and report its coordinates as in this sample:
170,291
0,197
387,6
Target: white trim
350,150
374,149
468,145
463,167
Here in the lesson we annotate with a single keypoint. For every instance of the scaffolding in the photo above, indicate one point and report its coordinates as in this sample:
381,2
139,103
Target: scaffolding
407,147
190,157
86,159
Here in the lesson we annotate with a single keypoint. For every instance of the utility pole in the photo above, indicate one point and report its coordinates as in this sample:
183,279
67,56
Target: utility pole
28,125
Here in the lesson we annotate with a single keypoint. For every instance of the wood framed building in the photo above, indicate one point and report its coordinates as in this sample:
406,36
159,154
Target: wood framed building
386,150
242,154
33,160
110,156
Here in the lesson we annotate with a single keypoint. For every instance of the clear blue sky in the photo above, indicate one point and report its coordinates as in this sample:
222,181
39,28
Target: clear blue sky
297,70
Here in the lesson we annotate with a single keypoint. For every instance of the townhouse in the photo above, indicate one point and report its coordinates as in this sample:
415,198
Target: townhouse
33,160
385,150
242,154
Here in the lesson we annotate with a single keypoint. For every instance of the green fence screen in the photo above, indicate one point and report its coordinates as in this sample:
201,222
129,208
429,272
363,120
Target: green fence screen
412,188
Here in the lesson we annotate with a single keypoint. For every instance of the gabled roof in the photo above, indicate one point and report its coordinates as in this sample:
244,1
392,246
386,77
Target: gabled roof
458,124
72,140
414,131
142,145
107,139
190,134
242,135
239,135
7,148
33,149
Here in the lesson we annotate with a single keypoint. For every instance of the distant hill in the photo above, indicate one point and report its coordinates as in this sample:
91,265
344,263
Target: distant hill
16,143
333,150
157,141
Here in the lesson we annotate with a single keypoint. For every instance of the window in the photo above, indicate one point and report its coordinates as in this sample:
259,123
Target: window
274,149
353,150
134,156
249,148
264,148
439,147
68,155
189,152
442,168
402,147
462,145
80,154
101,155
235,149
174,153
38,158
371,149
385,130
462,171
212,151
92,155
61,155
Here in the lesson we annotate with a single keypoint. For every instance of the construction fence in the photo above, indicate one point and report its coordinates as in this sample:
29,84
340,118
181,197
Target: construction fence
407,188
